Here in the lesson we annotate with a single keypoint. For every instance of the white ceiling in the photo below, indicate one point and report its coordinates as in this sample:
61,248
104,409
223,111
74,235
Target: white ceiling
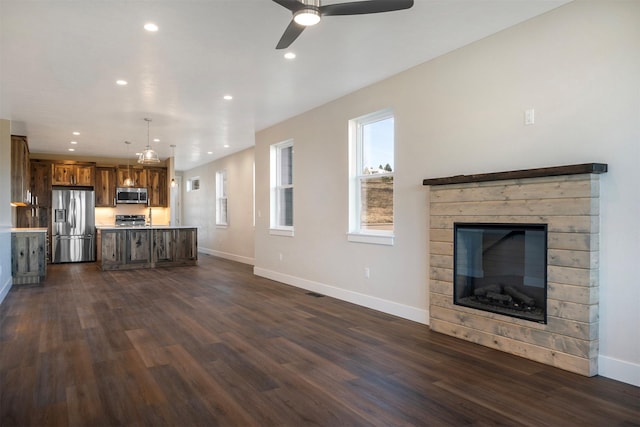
59,60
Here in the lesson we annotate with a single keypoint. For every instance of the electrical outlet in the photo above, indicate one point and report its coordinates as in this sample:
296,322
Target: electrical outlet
280,256
367,272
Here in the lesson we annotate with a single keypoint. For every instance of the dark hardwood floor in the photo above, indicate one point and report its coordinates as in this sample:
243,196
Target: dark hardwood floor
214,345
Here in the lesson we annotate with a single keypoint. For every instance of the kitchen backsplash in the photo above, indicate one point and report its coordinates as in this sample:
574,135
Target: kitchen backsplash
107,216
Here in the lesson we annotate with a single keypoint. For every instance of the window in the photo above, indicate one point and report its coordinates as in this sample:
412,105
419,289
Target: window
282,188
221,198
371,140
193,184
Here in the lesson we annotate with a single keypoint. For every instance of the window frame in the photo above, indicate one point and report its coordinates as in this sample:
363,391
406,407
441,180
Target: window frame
190,184
276,202
356,232
221,195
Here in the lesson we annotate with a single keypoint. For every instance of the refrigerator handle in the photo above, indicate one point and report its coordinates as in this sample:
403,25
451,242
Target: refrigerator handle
72,208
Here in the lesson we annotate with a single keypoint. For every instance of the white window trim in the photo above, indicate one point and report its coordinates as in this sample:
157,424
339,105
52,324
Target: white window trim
190,182
221,193
275,229
356,233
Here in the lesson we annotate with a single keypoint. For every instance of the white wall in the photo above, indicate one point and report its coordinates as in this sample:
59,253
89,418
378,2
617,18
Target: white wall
5,209
462,113
199,207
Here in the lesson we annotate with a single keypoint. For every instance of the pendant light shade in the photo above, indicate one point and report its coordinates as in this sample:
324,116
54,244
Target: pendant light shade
148,156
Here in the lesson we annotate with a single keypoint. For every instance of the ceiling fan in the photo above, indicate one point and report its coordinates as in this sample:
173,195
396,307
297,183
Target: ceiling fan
309,12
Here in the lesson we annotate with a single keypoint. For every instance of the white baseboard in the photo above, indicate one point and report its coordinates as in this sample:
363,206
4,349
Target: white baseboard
379,304
226,255
5,288
619,370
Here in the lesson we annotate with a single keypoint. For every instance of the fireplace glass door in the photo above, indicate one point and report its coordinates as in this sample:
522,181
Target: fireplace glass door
502,268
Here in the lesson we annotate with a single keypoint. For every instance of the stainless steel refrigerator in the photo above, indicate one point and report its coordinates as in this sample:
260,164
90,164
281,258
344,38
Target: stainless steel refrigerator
73,225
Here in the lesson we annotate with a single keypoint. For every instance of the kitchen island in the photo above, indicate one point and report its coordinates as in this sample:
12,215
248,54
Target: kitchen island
125,248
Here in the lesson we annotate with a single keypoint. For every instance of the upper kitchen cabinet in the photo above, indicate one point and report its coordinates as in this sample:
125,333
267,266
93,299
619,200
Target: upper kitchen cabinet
157,186
137,173
41,183
20,170
74,173
105,188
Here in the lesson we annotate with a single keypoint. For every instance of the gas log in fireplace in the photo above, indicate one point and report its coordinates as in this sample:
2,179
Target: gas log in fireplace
502,268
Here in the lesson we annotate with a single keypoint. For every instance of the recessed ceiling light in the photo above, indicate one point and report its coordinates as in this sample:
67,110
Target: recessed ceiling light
151,27
121,82
72,149
290,55
228,97
156,140
74,142
76,133
209,152
226,145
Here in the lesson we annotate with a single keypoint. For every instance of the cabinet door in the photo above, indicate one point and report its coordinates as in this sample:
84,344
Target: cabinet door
20,169
157,186
41,182
28,262
123,172
186,244
105,187
163,245
139,175
139,250
84,175
112,248
62,174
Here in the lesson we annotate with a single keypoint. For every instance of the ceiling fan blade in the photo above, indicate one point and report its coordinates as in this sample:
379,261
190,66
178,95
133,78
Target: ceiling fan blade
292,5
290,34
363,7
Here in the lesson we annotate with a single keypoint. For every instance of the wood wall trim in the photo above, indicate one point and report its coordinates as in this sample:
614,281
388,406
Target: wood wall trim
518,174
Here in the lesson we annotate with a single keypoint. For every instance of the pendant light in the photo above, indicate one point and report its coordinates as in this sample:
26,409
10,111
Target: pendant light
128,182
148,156
174,184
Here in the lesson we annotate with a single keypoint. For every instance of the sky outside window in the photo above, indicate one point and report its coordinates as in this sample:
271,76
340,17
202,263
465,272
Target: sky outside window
378,144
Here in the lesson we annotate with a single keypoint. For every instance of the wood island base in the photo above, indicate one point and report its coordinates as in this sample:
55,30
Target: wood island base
126,248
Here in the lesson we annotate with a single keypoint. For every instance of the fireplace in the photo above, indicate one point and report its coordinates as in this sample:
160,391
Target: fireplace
544,225
501,268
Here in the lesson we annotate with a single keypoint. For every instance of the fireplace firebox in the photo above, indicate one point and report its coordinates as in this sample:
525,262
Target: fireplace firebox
501,268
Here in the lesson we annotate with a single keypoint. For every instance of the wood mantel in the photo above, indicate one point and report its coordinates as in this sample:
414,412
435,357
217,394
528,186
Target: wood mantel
518,174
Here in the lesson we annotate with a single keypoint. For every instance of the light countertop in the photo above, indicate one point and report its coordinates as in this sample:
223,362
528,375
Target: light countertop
29,230
142,227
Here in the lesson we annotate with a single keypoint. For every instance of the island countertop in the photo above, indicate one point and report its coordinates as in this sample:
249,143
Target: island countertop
142,227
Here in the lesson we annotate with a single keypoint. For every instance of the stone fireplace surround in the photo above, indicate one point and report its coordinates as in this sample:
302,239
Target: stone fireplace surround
566,198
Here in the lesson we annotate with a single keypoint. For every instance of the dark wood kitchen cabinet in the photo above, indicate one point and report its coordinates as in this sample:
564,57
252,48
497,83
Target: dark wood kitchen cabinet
137,173
41,183
74,173
146,247
105,188
174,246
28,256
157,186
20,170
120,249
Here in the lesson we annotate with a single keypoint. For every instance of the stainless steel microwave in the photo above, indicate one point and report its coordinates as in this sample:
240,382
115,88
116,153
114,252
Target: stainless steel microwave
131,195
